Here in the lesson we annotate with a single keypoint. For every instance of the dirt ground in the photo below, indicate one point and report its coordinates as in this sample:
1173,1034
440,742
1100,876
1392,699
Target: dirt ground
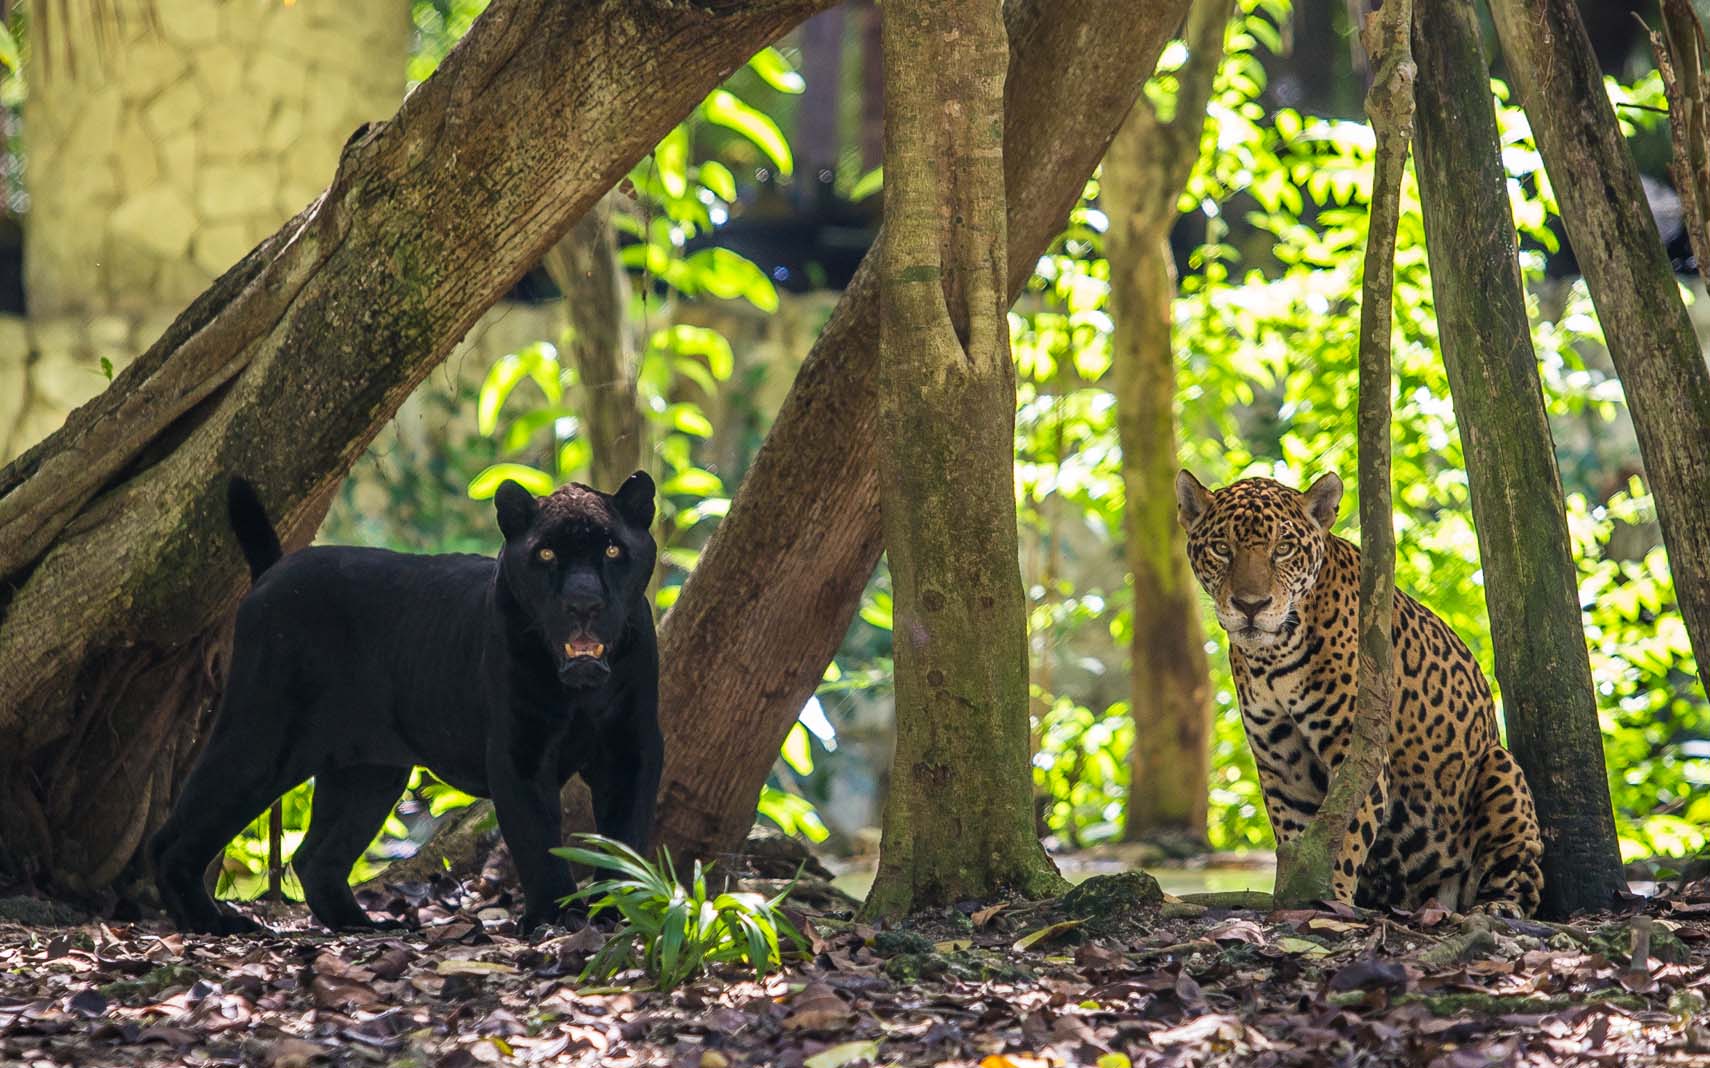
1109,982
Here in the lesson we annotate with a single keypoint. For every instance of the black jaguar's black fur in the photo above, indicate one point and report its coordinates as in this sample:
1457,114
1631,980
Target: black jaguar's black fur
504,677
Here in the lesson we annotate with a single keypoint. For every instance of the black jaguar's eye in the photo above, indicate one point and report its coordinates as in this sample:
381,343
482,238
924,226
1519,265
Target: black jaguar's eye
613,552
546,556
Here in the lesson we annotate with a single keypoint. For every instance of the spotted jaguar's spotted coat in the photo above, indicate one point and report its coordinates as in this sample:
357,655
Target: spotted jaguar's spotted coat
1451,817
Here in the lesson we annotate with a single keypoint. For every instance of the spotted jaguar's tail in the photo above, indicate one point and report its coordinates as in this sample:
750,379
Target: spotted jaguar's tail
255,533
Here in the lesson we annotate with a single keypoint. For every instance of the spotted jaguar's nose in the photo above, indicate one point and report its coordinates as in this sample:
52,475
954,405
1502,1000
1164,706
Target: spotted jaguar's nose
1251,606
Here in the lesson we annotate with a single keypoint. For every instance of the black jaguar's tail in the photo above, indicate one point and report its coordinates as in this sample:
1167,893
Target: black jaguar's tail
254,532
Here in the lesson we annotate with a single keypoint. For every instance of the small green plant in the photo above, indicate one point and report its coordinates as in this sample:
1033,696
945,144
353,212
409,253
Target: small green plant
670,930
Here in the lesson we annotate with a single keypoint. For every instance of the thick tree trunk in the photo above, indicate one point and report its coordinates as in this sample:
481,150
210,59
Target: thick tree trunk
777,585
958,819
1529,579
1306,865
1170,693
118,570
585,266
1650,338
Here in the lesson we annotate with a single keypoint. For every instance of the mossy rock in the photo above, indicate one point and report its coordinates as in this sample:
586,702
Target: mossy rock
968,965
39,912
894,943
1104,896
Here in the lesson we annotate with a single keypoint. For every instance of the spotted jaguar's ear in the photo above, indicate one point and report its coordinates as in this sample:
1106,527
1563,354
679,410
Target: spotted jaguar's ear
1323,498
1192,499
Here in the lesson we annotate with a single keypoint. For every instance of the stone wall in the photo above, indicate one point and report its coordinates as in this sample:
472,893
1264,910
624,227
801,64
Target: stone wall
162,158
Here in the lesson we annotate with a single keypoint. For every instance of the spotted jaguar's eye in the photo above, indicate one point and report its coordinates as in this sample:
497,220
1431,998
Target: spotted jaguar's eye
1286,550
1219,549
546,556
613,552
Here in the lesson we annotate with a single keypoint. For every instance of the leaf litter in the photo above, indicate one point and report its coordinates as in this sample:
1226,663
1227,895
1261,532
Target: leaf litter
1027,985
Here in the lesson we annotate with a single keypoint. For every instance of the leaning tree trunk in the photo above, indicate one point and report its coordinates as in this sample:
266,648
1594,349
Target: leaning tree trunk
116,567
1305,865
764,610
585,266
1170,692
1614,238
959,817
1529,580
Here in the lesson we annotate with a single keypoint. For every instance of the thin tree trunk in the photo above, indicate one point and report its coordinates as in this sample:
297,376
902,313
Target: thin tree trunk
585,266
1529,580
1170,692
763,612
1305,865
1650,338
958,819
117,570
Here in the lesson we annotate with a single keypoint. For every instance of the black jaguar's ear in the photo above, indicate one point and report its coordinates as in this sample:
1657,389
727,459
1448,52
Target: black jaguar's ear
1192,499
516,508
634,500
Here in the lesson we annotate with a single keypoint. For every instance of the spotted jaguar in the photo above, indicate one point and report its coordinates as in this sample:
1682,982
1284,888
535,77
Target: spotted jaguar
1451,817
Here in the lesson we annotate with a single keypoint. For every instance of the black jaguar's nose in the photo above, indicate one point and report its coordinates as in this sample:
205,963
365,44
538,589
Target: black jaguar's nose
584,606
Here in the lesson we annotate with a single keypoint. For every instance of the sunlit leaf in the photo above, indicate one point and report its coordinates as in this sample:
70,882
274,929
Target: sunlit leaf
484,485
776,71
723,108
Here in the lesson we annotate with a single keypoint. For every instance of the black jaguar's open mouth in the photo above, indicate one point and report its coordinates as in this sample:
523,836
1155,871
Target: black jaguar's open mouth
584,649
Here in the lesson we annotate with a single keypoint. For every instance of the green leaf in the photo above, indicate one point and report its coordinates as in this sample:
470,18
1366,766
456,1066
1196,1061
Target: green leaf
538,361
877,610
671,159
776,71
730,276
693,482
689,419
869,183
723,108
798,749
484,485
717,177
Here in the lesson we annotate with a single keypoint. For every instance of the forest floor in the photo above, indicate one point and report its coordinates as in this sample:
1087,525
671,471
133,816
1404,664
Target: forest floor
1101,978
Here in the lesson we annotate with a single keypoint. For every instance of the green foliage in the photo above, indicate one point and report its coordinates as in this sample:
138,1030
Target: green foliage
671,931
1267,331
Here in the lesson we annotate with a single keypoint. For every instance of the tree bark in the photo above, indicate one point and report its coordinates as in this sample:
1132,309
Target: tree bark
1305,865
1530,584
1682,54
958,819
585,266
777,585
1170,683
117,569
1650,338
